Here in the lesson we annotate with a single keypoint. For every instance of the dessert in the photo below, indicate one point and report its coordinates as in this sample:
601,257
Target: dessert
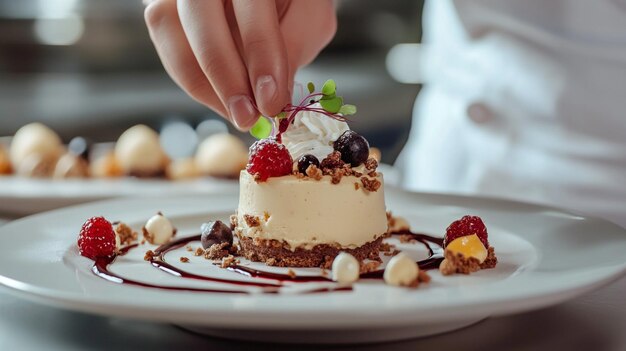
303,213
97,238
310,196
401,271
36,149
71,166
221,155
139,152
182,169
345,269
467,248
158,229
105,166
35,139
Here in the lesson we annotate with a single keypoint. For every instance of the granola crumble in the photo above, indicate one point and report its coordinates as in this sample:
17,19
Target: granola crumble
184,259
149,255
252,221
313,172
217,251
367,267
126,234
233,221
199,252
371,164
228,261
370,184
291,273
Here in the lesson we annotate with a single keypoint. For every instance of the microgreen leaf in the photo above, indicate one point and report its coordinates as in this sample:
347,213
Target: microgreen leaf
311,87
262,128
332,105
347,110
328,97
329,87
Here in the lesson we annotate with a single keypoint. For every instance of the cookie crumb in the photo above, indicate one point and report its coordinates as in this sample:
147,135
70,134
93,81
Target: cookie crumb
217,251
371,164
228,261
367,267
149,255
252,221
184,259
370,185
126,234
313,172
405,238
233,221
291,273
199,252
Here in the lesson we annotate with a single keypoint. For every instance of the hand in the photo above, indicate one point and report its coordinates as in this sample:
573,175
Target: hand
239,57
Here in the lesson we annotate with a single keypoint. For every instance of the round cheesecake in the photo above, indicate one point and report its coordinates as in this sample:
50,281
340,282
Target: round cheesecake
305,222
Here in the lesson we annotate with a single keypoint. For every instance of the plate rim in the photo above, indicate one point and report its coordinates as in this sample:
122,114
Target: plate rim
41,295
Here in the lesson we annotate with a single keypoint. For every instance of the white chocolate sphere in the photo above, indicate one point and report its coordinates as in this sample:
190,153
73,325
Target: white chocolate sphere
401,270
345,268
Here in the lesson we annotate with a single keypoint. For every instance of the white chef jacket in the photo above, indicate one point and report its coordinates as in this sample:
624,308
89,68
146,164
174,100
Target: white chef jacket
523,100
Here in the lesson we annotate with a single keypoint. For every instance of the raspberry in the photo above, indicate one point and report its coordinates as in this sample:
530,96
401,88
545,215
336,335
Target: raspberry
467,225
269,159
96,238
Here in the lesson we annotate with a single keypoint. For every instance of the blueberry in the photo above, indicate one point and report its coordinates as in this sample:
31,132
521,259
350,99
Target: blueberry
353,147
305,161
215,233
80,146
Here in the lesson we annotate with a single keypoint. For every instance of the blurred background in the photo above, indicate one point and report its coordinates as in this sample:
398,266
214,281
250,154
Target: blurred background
88,68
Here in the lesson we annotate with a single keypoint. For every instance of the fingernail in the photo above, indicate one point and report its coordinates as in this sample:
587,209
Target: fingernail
265,90
242,111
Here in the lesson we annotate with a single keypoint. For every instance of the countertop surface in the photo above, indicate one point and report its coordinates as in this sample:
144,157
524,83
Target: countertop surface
595,321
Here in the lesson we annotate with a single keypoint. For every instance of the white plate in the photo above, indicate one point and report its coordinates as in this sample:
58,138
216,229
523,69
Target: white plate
546,256
21,196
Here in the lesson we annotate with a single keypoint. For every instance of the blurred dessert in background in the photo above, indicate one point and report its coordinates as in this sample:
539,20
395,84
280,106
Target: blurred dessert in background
5,163
221,155
71,166
35,148
182,169
139,152
36,151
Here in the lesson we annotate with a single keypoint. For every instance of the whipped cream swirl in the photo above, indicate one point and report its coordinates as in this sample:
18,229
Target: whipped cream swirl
312,133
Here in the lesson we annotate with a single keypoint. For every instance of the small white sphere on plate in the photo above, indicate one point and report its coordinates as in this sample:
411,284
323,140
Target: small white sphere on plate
221,155
345,268
401,271
158,229
139,152
35,138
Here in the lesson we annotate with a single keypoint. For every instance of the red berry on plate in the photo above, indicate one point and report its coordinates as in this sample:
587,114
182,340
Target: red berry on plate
467,225
268,158
96,238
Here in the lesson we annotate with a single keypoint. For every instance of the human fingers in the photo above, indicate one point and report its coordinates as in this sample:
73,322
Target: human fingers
210,39
176,55
264,53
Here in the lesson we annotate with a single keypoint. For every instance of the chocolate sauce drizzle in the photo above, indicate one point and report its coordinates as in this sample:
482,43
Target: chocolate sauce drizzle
101,269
